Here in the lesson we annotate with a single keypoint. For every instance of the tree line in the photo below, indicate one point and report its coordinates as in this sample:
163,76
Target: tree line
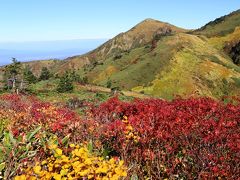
18,77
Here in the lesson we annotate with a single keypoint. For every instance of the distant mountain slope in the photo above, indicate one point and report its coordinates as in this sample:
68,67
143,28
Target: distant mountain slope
36,66
221,26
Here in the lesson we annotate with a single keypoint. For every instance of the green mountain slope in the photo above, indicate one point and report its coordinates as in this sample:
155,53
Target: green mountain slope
181,64
221,26
138,36
163,60
224,34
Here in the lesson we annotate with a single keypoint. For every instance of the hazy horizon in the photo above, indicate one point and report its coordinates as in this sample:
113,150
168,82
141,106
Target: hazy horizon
42,50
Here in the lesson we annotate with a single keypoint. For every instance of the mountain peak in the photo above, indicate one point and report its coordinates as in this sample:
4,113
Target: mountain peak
139,35
150,25
152,22
148,20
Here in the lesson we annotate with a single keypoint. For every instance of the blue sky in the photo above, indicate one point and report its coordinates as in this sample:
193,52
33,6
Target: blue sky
46,20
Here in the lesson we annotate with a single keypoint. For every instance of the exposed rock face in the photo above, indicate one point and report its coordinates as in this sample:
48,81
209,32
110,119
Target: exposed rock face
162,31
235,53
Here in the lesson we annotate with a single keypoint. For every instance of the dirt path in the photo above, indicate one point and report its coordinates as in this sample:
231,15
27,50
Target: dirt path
94,88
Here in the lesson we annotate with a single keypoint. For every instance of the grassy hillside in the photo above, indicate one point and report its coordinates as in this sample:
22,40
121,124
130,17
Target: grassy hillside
181,64
138,36
36,66
224,34
221,26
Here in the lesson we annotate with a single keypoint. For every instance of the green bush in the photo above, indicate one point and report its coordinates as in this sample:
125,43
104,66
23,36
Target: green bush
65,84
29,76
45,74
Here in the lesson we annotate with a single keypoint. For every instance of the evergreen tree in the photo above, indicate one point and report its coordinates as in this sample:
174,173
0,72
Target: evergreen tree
74,76
65,84
11,72
109,83
84,80
29,76
45,74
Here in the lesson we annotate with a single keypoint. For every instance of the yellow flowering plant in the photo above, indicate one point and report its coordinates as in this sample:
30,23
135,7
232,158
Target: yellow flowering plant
129,132
78,163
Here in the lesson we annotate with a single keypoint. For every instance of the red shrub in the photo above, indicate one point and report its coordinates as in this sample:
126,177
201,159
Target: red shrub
27,112
186,138
193,138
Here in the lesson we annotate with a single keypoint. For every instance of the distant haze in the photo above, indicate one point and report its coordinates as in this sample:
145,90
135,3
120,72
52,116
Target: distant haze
28,51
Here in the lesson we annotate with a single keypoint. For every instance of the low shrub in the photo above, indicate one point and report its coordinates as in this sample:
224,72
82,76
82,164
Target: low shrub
195,138
76,163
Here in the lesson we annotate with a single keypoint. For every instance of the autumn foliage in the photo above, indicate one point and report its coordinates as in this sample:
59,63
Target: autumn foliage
195,138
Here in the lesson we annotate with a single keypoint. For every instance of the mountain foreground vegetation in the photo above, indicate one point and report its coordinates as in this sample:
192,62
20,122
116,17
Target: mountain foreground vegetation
143,139
155,102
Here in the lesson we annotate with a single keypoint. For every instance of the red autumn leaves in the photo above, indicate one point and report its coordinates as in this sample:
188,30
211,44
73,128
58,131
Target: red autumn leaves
185,138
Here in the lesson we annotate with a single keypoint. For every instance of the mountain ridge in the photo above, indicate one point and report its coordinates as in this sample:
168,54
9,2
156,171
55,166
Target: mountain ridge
163,60
220,26
137,36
